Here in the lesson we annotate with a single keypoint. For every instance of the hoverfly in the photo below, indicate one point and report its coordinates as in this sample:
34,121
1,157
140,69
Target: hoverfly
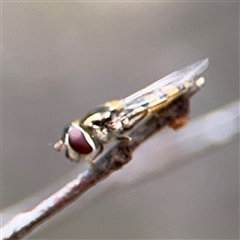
86,136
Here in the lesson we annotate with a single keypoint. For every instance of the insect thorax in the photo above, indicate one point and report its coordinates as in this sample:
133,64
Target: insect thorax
99,122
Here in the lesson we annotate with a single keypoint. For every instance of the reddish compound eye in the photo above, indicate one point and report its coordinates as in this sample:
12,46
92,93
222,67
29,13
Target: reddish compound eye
78,142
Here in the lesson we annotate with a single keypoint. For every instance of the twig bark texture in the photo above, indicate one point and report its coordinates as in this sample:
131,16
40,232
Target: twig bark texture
113,159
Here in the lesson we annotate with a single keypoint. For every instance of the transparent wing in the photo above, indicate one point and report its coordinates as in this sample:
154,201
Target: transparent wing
165,90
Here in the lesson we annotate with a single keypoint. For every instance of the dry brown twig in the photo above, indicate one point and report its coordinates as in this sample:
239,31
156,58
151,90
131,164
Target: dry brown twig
112,160
23,223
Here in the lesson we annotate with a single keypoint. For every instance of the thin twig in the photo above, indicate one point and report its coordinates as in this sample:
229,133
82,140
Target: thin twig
115,158
227,119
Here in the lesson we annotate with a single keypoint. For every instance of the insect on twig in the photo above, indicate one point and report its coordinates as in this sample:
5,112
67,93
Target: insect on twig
86,137
130,120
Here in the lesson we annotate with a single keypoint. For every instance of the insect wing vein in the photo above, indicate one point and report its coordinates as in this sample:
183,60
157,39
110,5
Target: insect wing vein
166,88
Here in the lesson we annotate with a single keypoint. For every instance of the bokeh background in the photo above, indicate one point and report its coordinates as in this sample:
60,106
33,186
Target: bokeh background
59,59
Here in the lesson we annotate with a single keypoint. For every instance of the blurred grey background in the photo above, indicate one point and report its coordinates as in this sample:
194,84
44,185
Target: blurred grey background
60,59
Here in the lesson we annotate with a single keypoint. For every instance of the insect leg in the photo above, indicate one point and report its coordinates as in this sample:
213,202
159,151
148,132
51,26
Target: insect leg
134,117
124,138
99,150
